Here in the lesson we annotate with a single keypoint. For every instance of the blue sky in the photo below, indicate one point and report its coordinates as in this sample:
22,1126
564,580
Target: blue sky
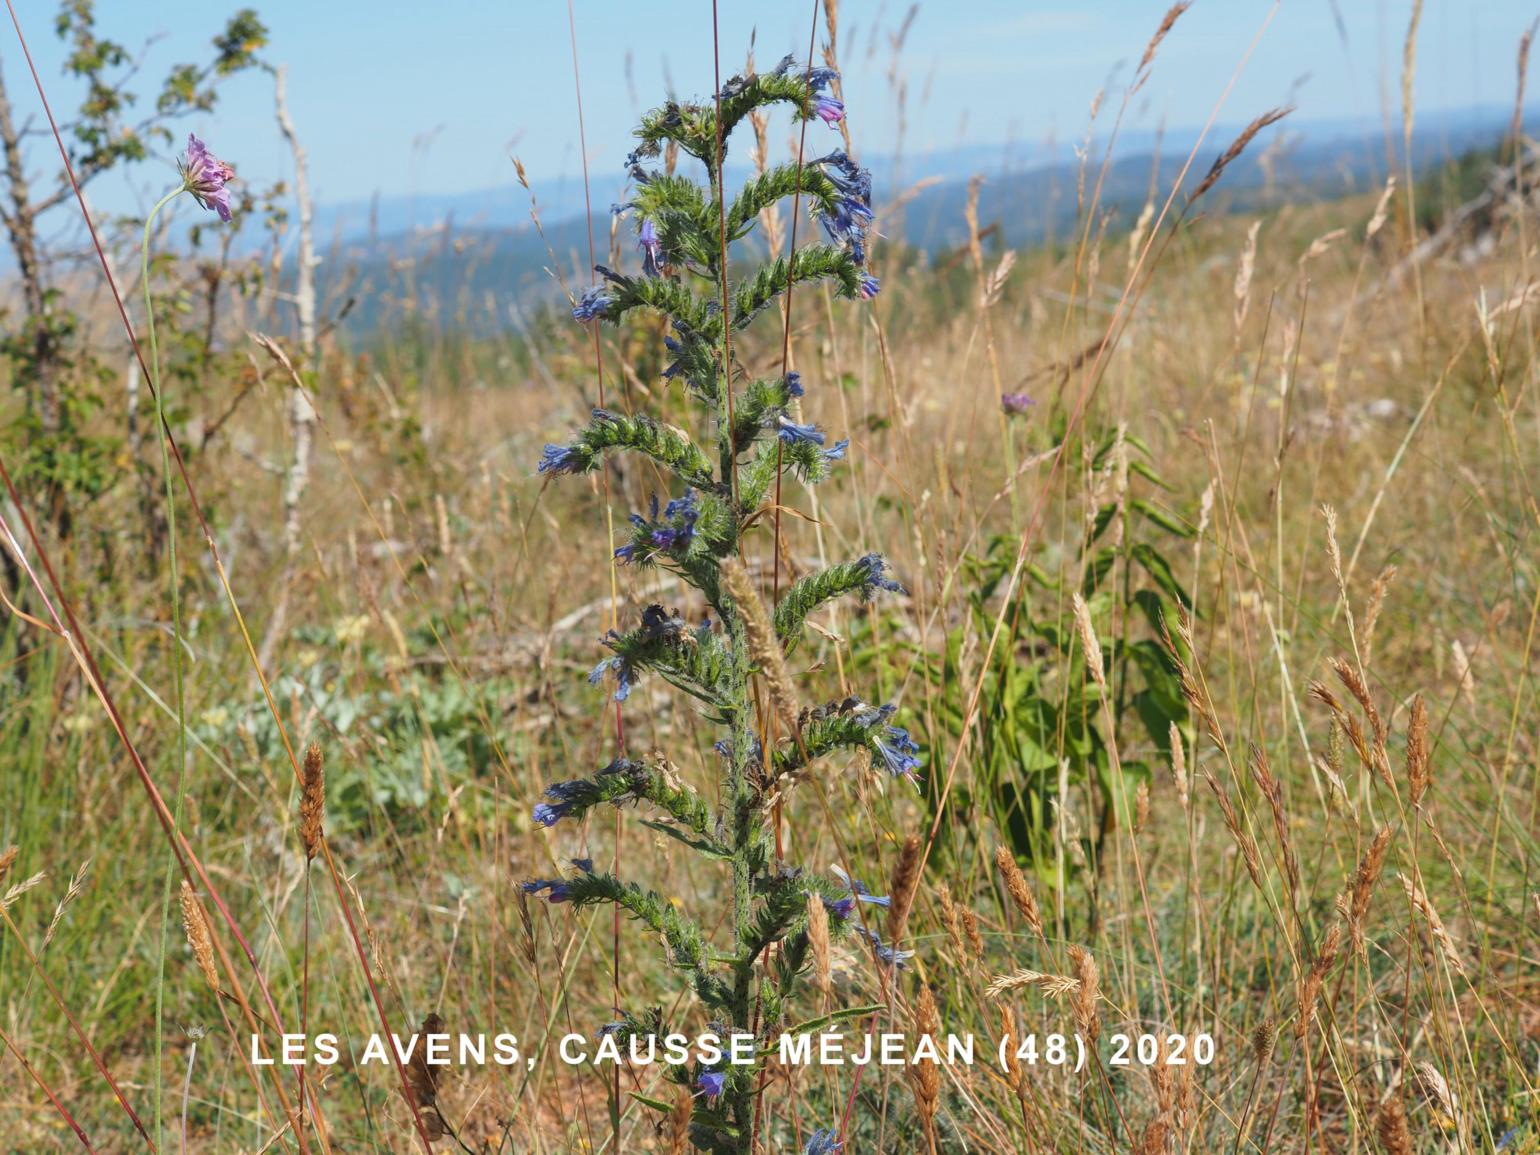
417,97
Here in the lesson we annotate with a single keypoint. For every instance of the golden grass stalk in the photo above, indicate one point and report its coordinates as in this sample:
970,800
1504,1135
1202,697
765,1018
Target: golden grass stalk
925,1075
764,649
312,803
818,940
1021,894
952,921
1441,937
1242,837
1089,643
1315,978
1053,986
196,927
1272,790
71,893
1237,146
1179,768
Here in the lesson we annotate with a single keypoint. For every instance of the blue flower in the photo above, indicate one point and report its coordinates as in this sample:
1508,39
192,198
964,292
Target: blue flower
874,715
711,1084
625,676
898,752
794,384
824,1141
675,529
848,177
820,78
836,452
615,1028
791,432
885,954
565,797
860,889
870,287
586,865
560,459
652,248
592,304
556,889
875,567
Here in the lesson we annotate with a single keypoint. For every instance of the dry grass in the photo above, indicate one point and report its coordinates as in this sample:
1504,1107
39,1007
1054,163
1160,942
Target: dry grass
447,606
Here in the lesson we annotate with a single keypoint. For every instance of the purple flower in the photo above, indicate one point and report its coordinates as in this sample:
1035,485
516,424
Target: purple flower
711,1084
791,432
652,248
592,305
205,176
824,1141
836,452
840,907
870,286
794,384
860,889
1015,404
560,459
875,567
556,889
829,110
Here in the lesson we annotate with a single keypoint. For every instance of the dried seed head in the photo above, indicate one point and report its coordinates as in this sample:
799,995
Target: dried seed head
1441,938
1354,904
764,648
1021,894
1179,767
1052,986
1310,985
970,921
679,1122
906,878
1083,1000
423,1079
818,939
1141,807
951,920
8,860
925,1076
1391,1127
196,927
1264,1037
312,803
1089,642
1418,772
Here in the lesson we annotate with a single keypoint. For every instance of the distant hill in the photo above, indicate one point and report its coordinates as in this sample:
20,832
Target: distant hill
476,258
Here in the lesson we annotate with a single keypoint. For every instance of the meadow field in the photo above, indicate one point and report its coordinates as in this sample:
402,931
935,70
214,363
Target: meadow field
1208,612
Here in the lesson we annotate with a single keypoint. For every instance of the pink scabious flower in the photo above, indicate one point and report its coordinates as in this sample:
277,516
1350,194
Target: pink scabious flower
205,176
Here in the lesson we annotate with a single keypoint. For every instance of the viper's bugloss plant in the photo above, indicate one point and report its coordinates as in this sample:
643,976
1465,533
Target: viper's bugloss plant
685,231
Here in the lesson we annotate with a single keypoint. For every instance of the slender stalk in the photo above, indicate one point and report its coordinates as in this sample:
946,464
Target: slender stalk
176,659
